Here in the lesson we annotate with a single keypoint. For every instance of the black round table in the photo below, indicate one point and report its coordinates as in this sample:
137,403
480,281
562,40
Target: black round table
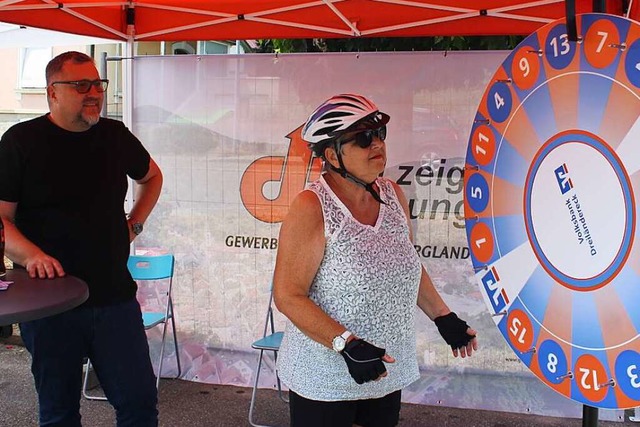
32,299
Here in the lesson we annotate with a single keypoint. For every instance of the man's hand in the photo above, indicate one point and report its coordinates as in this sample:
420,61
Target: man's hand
43,266
365,360
457,334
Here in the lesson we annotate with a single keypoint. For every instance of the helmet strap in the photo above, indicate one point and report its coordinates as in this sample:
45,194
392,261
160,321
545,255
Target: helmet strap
347,175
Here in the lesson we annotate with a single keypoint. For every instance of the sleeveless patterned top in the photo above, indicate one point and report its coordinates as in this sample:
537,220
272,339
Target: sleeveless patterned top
368,281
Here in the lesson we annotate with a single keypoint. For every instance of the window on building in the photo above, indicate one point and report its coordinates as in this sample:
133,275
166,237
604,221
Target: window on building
182,48
33,62
211,47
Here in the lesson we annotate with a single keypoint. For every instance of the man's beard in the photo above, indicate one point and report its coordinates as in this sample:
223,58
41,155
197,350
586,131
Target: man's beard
89,119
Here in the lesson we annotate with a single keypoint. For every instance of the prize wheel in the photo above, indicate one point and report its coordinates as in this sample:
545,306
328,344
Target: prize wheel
551,176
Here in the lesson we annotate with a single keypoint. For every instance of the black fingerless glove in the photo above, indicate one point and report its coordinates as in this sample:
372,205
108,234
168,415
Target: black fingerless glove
453,330
364,360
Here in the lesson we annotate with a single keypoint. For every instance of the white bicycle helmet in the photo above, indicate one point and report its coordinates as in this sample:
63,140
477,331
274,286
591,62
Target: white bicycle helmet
339,114
336,116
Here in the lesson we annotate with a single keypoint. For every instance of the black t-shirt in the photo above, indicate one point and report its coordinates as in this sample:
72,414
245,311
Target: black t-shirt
70,188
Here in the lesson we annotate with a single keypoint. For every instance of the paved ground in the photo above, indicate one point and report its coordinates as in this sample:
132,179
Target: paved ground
190,404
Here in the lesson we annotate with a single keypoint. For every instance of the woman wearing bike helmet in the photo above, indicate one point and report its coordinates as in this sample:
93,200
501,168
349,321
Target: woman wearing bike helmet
347,277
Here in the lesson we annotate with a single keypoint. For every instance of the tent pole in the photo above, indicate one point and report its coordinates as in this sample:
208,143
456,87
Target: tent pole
599,6
127,111
570,9
103,74
127,82
127,114
589,416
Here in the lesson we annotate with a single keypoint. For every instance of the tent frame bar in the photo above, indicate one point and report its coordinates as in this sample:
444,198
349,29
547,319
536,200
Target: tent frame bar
453,13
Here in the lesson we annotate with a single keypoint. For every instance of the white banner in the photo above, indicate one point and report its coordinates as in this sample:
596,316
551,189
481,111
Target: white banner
225,132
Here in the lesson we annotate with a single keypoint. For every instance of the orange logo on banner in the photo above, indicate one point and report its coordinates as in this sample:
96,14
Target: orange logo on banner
290,174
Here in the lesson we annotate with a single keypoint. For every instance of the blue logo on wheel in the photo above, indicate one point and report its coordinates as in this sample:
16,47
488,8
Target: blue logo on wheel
562,175
497,295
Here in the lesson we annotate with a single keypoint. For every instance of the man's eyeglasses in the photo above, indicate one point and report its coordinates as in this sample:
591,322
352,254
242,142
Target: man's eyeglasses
84,86
365,138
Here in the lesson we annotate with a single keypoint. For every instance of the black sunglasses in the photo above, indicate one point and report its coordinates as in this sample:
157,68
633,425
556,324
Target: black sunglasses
84,86
365,138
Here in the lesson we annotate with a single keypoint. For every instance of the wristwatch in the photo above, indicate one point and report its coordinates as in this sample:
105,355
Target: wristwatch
340,341
136,227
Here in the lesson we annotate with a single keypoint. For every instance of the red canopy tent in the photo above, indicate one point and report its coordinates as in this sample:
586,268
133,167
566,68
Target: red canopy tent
255,19
180,20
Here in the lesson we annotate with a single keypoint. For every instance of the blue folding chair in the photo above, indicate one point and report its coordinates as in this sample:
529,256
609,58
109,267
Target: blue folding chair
270,341
151,268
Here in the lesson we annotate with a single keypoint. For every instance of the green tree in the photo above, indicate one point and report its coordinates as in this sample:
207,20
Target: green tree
374,44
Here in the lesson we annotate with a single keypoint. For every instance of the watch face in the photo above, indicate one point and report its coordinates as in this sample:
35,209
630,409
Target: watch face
339,343
136,228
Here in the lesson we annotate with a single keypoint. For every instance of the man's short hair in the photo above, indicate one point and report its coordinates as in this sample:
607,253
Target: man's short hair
55,65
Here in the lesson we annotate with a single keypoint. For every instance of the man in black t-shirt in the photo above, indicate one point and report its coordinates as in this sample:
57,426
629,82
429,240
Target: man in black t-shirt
63,181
